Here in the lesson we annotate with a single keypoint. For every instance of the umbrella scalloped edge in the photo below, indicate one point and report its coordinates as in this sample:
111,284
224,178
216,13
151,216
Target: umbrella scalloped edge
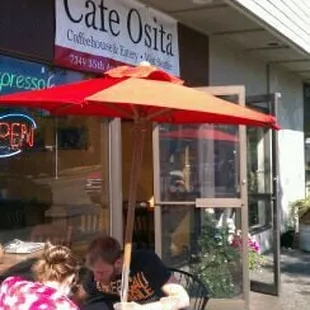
143,72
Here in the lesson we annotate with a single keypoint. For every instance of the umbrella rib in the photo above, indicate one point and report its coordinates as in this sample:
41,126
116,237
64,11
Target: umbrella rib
135,111
118,109
158,113
63,107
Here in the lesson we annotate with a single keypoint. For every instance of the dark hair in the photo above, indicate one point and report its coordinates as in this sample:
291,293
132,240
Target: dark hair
105,248
57,264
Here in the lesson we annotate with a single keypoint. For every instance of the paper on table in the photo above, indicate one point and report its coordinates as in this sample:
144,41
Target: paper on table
17,246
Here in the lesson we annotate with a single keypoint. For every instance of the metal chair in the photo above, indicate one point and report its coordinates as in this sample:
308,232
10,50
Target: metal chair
198,292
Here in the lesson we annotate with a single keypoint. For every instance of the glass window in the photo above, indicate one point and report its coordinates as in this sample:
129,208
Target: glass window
307,135
198,161
207,243
53,172
54,193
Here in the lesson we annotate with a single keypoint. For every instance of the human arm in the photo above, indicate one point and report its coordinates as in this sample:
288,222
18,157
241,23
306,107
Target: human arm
79,296
172,289
86,287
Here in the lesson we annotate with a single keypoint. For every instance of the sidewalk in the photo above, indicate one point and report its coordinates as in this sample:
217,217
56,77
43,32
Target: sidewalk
295,285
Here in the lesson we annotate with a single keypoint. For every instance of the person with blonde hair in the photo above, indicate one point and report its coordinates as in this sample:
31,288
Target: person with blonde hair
55,275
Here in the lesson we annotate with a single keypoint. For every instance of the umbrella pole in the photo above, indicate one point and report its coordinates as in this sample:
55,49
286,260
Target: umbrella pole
56,149
136,162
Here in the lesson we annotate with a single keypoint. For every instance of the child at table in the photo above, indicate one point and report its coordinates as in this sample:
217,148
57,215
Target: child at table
55,272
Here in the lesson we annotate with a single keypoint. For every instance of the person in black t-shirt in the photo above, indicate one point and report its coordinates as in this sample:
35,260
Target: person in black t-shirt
149,279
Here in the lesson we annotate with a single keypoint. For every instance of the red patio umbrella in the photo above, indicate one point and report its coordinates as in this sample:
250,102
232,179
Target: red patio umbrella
142,94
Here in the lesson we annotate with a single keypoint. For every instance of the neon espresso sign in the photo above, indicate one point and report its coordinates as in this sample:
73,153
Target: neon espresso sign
16,133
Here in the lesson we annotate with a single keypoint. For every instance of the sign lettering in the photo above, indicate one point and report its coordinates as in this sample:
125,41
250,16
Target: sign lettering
95,35
16,133
24,82
20,75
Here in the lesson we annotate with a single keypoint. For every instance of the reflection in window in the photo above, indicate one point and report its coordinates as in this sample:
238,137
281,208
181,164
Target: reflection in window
307,135
48,192
198,161
259,177
208,242
72,138
179,234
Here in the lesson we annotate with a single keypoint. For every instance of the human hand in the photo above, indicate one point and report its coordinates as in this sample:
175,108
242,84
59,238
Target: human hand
170,303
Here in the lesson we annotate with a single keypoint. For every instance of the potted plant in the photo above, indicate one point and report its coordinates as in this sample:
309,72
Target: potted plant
218,263
216,259
301,216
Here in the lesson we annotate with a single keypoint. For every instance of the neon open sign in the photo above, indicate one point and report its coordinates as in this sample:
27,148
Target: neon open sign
16,133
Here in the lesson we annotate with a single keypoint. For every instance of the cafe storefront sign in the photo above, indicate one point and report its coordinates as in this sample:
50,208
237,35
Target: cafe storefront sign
17,127
18,75
95,35
16,133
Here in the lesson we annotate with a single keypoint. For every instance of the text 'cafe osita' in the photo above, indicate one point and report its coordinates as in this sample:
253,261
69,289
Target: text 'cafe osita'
101,18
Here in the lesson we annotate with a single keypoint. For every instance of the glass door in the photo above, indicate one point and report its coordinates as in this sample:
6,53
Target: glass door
262,197
201,215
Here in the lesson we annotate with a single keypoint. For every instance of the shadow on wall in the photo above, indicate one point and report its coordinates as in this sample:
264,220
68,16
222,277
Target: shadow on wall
291,103
282,216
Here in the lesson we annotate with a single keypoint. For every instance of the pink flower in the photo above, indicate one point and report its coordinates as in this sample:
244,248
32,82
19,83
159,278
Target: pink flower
252,243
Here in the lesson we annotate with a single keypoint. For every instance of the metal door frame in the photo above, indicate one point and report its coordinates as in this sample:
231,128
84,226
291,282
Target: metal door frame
272,101
212,202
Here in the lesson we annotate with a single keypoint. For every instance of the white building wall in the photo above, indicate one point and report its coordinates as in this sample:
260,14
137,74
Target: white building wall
229,66
289,17
291,138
